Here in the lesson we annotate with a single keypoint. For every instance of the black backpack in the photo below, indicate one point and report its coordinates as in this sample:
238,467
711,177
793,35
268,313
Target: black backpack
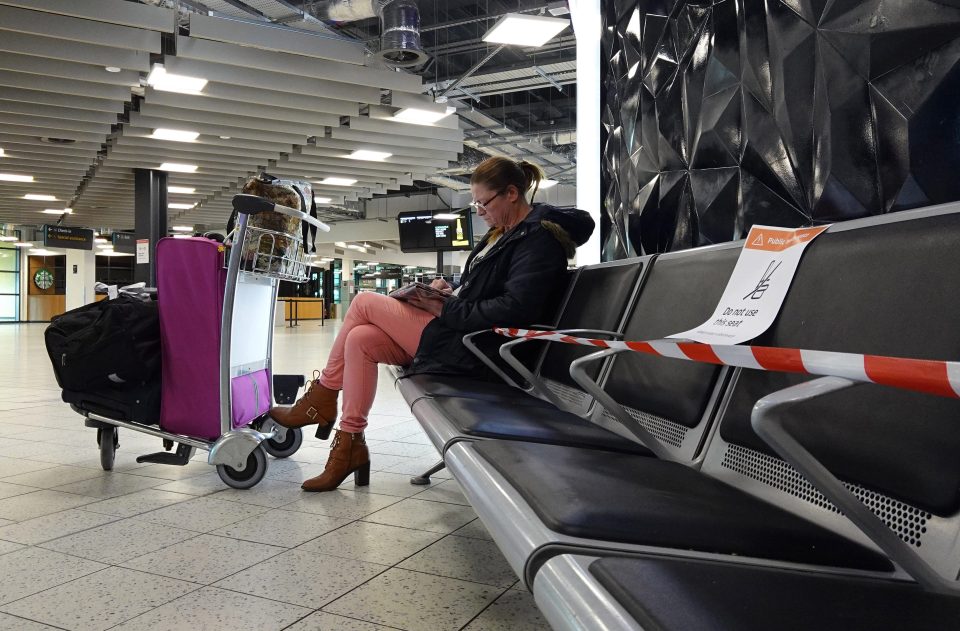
111,344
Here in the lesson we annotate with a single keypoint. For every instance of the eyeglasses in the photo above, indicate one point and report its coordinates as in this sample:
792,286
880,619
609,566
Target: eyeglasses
483,205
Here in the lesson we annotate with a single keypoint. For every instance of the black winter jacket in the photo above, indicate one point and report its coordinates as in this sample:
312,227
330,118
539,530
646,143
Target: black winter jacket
517,283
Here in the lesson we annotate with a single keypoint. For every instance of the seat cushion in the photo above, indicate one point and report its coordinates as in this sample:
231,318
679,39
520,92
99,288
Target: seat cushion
683,594
450,386
491,419
621,498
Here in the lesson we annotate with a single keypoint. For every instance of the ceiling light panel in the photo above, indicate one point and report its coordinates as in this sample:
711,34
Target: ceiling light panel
418,116
40,198
176,135
165,81
366,154
525,30
181,190
338,181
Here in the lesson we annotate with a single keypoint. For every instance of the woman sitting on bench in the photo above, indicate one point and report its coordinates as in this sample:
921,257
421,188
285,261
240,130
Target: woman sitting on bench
510,277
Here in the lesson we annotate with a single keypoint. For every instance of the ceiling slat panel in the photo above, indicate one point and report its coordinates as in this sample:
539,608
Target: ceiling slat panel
87,31
123,13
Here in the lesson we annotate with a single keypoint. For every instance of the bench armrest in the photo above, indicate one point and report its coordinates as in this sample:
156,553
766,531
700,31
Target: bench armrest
768,424
579,374
506,352
472,347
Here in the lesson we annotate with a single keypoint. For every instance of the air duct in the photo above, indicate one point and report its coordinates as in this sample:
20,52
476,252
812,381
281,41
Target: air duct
399,26
400,33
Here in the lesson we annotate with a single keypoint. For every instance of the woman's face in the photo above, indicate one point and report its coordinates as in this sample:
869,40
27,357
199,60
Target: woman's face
491,205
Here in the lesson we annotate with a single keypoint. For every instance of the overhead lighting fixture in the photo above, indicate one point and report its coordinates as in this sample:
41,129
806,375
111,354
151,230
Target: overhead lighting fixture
57,211
105,246
225,137
40,198
418,116
23,244
323,200
182,228
548,183
181,206
449,216
13,177
1,152
10,239
177,167
111,69
338,181
160,79
176,135
181,190
364,154
42,252
113,253
525,30
100,240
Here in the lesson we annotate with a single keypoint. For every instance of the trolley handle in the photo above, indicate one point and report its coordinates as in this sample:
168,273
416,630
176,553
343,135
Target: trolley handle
253,204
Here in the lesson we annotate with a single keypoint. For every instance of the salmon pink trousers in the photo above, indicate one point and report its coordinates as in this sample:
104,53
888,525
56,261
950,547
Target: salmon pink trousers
376,329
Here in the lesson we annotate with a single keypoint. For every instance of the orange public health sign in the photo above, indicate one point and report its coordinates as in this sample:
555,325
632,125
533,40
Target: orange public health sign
773,240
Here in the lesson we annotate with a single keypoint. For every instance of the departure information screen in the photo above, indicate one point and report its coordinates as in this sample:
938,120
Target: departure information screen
420,231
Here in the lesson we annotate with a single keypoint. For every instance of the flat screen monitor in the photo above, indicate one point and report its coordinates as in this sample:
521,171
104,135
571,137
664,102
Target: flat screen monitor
421,231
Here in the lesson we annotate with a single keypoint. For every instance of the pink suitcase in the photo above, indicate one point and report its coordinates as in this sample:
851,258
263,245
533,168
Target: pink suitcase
191,277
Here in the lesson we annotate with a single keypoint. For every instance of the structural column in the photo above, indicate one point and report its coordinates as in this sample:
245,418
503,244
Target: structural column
347,287
150,214
81,277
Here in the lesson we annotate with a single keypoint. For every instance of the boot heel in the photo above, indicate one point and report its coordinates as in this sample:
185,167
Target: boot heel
361,477
323,431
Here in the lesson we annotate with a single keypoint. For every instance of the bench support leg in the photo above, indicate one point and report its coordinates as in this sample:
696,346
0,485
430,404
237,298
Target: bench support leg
424,478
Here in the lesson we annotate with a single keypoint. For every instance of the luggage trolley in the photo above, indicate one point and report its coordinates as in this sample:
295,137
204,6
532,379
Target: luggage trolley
258,259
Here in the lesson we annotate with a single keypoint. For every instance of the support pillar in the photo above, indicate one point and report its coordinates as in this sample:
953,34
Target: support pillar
81,276
347,287
150,215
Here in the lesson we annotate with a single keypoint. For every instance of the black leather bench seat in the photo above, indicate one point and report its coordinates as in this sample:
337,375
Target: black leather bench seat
621,498
487,419
450,386
683,594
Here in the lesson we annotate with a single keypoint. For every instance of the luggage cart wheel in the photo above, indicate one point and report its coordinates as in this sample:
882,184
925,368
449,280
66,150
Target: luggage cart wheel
167,444
285,448
252,474
109,440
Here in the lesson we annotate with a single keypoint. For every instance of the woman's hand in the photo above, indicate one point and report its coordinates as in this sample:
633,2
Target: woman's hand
439,283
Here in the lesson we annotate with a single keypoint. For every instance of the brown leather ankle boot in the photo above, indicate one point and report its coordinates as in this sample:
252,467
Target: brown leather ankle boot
348,454
317,405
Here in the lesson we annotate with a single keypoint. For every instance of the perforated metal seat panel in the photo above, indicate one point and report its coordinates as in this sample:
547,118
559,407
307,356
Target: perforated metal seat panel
622,498
674,594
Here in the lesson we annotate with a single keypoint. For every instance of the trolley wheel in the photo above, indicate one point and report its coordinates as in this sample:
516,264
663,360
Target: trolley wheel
285,448
250,476
109,440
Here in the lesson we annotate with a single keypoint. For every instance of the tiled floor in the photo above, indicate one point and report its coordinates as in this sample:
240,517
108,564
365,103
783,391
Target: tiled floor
159,547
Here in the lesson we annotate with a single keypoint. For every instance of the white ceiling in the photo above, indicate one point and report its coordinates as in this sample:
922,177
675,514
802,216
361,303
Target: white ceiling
292,102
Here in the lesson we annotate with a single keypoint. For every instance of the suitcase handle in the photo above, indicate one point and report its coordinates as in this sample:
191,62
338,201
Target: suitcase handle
253,204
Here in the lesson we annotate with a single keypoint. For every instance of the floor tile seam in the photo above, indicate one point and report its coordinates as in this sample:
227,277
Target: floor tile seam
38,543
99,569
200,583
386,626
284,602
487,606
364,520
418,551
103,569
452,578
118,563
27,486
444,575
53,626
398,500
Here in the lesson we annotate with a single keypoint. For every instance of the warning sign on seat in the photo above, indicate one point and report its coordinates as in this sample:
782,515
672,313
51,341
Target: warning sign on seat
757,287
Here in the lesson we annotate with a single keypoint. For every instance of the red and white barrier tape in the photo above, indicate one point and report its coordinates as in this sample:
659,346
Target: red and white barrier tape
939,378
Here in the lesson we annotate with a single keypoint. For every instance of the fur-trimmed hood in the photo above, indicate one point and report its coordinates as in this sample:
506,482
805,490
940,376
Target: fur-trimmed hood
570,226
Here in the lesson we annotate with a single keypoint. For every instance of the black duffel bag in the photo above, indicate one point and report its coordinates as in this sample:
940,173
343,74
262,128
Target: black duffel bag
112,344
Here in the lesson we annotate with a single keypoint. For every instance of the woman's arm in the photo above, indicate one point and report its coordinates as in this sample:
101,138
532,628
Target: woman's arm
537,266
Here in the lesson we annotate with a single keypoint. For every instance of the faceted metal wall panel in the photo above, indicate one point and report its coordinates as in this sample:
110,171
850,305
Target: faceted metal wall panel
718,115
